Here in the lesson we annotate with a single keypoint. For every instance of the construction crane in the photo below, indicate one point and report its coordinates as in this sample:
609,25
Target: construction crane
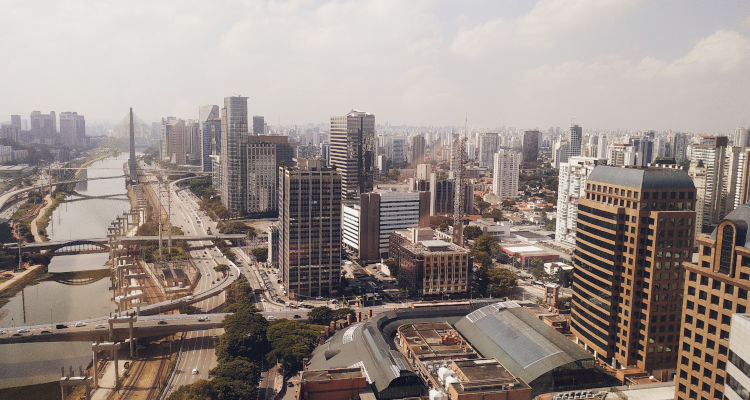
458,169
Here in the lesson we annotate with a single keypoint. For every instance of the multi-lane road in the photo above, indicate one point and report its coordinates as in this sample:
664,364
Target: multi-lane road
197,355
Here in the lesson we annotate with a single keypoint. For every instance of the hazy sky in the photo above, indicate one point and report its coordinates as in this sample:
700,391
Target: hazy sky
666,64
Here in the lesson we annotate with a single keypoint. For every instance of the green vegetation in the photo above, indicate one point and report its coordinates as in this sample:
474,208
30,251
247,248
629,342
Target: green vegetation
393,176
226,250
222,268
209,199
392,265
260,254
324,315
484,248
236,227
481,205
495,281
496,214
291,342
472,232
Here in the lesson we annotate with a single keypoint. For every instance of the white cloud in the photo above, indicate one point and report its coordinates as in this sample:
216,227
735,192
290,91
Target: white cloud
416,61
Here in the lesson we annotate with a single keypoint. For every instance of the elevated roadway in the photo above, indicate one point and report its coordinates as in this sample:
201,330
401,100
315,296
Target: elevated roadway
6,197
98,329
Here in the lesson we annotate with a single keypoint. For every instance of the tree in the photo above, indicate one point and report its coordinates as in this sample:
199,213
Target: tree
480,204
200,390
291,341
484,243
222,268
537,270
320,315
500,280
483,259
260,254
392,265
237,369
496,214
472,232
244,336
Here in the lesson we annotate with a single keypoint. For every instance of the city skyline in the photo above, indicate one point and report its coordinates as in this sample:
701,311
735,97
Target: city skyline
501,64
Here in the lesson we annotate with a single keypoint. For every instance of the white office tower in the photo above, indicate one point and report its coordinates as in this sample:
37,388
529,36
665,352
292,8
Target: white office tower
742,137
233,141
737,385
621,155
571,186
505,173
601,147
714,168
680,143
424,171
560,153
488,144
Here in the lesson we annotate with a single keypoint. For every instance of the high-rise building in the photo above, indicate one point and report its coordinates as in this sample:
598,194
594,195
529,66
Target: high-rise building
679,143
265,154
742,137
398,151
367,225
72,129
634,228
571,184
601,147
310,232
644,149
15,120
737,384
233,153
530,149
210,133
352,152
488,145
418,144
505,173
443,195
258,125
742,187
714,168
620,155
560,153
575,140
43,127
175,140
325,153
715,288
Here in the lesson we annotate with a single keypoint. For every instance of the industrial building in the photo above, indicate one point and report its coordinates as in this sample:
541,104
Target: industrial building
486,346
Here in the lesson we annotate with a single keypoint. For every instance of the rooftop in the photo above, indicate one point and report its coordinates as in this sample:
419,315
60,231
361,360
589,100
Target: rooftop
522,343
332,374
642,178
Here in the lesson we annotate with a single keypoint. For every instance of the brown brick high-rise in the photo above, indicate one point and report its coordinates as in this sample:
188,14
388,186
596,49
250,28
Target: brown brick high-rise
634,228
715,288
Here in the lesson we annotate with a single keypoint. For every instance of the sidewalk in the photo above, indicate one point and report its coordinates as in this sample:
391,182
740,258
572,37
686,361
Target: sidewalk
18,277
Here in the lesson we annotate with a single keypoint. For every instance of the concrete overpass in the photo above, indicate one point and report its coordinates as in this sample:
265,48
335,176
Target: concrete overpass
101,245
5,198
98,329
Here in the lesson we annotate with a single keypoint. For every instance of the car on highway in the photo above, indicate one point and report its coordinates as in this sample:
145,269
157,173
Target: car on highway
296,316
2,332
203,319
23,330
45,332
80,324
162,322
195,371
60,326
271,318
17,334
99,326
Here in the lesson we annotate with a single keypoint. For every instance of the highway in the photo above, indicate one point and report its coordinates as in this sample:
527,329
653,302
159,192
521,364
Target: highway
198,346
144,326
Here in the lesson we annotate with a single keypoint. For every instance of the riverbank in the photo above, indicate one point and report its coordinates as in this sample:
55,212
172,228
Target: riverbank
10,287
39,224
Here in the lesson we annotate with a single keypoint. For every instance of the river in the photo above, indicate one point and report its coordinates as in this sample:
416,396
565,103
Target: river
51,299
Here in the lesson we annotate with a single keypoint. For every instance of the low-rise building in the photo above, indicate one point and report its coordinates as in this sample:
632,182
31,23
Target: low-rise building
498,230
332,384
428,266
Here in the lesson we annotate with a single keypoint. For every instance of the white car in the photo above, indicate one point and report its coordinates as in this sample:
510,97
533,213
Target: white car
195,371
271,318
80,324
